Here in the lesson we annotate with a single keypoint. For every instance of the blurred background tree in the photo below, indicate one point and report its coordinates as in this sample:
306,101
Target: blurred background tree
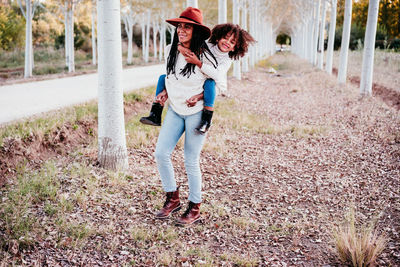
388,31
12,26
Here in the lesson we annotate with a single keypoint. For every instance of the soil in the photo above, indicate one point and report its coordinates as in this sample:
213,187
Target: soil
388,95
272,195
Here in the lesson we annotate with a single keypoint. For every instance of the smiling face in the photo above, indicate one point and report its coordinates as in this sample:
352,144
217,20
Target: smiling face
185,32
227,43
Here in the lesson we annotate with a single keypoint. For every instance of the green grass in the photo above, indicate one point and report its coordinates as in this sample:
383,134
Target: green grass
31,188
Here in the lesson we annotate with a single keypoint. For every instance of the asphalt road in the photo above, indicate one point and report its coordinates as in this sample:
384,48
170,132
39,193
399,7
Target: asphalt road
23,100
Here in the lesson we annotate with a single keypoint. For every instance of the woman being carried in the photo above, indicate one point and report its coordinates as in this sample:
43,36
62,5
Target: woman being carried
227,42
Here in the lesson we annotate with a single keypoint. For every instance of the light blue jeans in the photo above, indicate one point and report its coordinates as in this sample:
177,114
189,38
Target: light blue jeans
172,129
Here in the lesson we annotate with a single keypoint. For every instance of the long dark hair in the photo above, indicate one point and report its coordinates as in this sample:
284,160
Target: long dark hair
197,45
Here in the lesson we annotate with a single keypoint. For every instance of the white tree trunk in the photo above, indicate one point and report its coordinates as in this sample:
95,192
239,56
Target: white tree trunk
245,59
66,37
316,32
111,126
129,32
310,40
71,63
344,48
369,49
236,63
94,48
143,24
331,41
321,47
28,14
147,49
252,59
162,38
155,31
222,11
192,3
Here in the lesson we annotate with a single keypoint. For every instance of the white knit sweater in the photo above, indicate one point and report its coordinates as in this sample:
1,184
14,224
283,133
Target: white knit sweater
180,88
219,75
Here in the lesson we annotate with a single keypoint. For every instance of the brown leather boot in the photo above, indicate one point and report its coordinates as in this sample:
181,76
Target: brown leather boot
191,215
171,204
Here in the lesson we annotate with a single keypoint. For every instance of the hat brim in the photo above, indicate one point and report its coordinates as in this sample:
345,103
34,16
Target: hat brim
205,30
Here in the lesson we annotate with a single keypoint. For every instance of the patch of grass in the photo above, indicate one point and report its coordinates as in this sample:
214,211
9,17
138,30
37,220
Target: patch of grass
29,189
244,223
307,130
65,204
140,135
202,253
133,97
117,178
39,127
79,231
85,112
12,59
140,234
358,247
50,209
48,69
167,235
165,259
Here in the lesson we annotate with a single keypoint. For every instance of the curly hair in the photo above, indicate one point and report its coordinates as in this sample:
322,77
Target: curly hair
197,45
243,38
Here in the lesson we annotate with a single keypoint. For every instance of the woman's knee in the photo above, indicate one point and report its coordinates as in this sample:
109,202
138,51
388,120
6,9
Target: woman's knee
161,154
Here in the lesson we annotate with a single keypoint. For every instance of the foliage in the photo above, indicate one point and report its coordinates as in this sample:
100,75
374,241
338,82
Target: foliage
357,38
12,27
283,39
81,38
388,21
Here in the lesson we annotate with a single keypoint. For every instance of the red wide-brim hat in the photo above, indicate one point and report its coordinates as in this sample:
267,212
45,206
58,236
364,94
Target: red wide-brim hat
193,16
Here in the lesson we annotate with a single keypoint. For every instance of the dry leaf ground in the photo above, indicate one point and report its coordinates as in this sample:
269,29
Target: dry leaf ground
286,158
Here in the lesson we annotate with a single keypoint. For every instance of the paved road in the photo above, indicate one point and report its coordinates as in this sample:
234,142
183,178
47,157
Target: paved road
26,99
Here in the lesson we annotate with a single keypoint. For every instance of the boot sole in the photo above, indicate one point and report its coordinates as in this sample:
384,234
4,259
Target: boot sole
149,122
199,132
169,215
198,220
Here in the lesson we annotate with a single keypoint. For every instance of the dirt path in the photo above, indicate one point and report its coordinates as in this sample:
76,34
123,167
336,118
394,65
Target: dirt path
286,158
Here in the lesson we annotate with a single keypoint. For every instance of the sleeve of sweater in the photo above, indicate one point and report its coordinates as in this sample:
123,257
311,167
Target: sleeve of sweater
214,73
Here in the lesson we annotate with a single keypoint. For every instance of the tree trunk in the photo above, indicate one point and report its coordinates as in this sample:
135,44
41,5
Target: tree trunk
245,59
146,56
252,59
129,31
192,3
236,63
321,47
143,36
130,52
28,37
331,41
369,49
66,36
111,127
155,31
344,48
222,11
71,64
316,32
162,37
94,48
